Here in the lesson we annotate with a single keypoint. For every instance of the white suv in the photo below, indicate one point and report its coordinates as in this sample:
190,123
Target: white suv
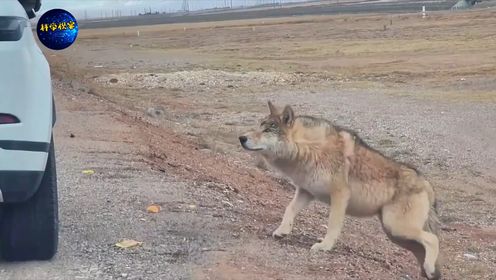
28,182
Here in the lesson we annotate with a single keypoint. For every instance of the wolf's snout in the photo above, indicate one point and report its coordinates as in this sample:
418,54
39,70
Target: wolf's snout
243,139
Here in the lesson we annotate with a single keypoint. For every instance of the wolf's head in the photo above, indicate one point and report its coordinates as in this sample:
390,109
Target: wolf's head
271,137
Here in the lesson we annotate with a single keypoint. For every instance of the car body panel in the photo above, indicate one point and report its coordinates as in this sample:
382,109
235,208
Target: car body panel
12,8
25,92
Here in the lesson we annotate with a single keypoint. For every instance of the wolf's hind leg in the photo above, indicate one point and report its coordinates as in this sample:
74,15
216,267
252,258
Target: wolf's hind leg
300,201
404,221
413,246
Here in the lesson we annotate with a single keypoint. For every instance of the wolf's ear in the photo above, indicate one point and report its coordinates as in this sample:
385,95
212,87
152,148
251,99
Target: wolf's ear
288,116
272,109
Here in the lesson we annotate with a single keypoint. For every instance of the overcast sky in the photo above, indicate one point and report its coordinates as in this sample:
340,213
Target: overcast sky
106,8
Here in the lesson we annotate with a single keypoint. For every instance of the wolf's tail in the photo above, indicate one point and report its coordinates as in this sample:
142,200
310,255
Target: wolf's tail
432,224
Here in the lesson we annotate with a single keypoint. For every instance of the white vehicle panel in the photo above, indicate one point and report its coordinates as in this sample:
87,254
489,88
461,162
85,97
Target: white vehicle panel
12,8
25,92
22,160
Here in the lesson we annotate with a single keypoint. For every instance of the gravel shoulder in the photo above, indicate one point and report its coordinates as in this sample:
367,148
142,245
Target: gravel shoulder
97,211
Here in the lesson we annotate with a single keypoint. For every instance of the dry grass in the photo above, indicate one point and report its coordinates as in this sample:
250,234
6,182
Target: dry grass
435,50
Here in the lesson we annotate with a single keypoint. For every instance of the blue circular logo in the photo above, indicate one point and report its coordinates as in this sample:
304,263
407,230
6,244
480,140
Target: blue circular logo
57,29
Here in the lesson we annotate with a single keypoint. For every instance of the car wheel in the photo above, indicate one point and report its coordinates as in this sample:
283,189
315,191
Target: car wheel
29,230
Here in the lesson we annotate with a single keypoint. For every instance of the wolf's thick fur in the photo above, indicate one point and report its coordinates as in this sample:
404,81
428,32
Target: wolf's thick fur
333,165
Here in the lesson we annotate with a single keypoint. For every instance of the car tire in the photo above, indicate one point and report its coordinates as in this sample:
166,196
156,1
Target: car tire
29,230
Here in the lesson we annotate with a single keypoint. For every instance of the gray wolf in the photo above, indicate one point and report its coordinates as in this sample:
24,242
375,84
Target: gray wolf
332,164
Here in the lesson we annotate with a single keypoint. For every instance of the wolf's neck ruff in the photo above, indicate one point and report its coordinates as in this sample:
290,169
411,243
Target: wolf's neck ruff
310,145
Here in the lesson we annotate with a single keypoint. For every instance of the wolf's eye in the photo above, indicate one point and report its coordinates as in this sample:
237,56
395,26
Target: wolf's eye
266,130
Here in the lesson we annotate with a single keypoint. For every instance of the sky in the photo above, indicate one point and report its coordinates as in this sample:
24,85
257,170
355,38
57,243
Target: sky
106,8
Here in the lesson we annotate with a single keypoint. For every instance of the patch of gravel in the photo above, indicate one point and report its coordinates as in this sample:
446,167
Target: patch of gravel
198,79
98,210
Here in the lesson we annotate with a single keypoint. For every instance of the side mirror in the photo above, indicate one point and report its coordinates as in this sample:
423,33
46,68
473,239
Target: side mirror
31,6
37,5
31,14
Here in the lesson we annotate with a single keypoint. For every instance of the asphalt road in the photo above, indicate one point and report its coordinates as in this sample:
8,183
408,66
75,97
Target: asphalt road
327,9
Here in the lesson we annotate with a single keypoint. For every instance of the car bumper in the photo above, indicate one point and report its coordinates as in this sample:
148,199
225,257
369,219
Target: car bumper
21,171
19,186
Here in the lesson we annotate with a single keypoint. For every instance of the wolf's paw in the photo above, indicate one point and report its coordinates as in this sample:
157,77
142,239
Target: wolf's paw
434,276
431,273
281,231
322,246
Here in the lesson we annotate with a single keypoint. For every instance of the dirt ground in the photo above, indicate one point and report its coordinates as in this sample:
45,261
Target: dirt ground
420,90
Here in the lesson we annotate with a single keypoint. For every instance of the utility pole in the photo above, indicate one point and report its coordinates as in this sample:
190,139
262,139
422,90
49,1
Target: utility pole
186,5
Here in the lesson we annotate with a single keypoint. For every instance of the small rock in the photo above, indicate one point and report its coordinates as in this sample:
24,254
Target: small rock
470,256
155,112
227,203
72,135
113,80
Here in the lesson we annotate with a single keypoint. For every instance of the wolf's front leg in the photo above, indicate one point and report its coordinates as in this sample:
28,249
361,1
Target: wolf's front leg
340,195
300,201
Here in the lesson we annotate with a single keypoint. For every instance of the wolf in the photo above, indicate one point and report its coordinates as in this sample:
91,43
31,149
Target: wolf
334,165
